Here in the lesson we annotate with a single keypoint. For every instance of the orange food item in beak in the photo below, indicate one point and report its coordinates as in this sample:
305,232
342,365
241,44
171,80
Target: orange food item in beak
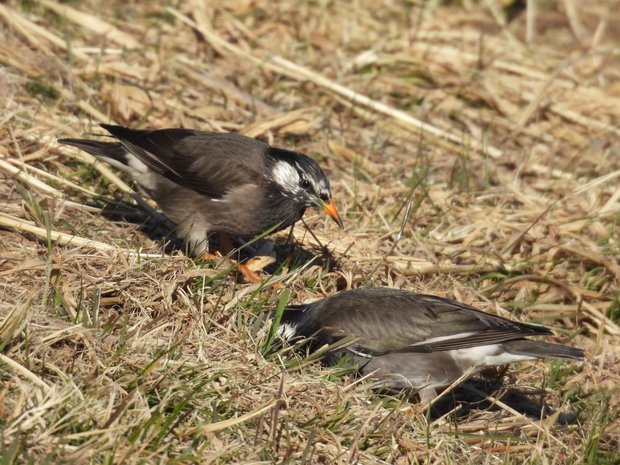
330,209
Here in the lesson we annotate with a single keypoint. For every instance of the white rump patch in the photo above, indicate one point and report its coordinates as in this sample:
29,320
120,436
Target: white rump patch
136,165
488,356
286,176
198,241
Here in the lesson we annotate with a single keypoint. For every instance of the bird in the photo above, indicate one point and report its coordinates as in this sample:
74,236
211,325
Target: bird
212,182
414,342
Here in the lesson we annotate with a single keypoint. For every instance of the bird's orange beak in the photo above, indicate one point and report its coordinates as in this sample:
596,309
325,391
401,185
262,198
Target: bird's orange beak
330,209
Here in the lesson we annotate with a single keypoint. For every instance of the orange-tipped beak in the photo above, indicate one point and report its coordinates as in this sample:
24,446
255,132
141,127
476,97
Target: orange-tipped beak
330,209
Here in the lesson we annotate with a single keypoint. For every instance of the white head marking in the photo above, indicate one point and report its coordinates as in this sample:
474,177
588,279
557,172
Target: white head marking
319,185
286,176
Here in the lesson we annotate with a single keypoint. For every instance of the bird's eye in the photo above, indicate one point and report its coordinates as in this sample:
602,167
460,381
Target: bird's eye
304,182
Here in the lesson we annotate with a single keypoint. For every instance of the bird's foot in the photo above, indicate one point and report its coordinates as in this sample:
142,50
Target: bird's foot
210,256
249,275
250,271
252,268
427,396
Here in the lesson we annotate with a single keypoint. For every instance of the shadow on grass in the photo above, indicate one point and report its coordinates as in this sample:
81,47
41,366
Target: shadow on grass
478,394
157,227
475,395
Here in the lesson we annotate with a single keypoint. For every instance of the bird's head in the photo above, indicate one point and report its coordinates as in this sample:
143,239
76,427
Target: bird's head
301,179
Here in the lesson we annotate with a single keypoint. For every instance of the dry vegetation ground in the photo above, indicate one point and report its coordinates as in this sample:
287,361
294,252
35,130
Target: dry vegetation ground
113,351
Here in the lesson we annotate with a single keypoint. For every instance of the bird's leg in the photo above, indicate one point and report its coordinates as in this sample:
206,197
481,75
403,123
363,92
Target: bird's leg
427,395
289,241
226,246
202,250
289,238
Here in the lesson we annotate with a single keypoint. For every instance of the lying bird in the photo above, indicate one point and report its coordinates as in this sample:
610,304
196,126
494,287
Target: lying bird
209,182
414,341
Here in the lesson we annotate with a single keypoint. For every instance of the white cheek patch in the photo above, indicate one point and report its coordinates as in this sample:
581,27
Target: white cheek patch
286,176
286,331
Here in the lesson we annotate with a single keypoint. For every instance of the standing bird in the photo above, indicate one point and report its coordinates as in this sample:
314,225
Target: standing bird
415,341
209,182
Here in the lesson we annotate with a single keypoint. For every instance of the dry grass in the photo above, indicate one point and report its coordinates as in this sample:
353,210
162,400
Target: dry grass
503,131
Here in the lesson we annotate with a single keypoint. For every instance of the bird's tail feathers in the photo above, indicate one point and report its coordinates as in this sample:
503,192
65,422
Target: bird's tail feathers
543,349
111,152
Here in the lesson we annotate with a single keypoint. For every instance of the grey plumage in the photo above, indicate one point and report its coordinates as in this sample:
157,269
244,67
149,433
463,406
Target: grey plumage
415,341
216,182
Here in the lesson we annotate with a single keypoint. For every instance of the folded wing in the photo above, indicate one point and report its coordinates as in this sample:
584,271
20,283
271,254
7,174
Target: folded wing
406,322
209,163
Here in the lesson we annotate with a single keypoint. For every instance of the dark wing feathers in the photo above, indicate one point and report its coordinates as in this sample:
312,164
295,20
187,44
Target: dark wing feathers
490,336
209,163
400,321
154,150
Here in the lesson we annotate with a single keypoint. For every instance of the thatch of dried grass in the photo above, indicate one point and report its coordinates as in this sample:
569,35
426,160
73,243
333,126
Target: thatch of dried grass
493,125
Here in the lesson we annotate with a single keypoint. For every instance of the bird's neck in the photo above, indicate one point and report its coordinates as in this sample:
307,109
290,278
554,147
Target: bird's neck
281,210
